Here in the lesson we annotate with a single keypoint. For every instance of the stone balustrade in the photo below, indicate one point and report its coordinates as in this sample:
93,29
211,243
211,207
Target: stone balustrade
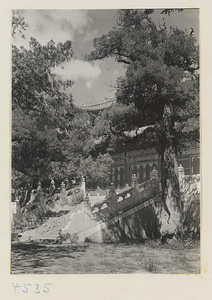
130,197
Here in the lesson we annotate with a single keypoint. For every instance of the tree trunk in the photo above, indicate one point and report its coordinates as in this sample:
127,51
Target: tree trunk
171,213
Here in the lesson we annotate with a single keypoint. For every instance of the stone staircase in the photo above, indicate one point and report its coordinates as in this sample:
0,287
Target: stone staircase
130,214
95,222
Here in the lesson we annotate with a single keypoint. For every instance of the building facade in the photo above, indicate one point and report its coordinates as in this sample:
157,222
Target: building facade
142,162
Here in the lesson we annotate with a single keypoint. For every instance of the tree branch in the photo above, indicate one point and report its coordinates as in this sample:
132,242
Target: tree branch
121,60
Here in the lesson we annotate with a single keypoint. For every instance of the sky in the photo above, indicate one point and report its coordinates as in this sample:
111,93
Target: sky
93,81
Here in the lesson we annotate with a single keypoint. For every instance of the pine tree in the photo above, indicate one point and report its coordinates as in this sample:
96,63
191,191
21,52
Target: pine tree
160,88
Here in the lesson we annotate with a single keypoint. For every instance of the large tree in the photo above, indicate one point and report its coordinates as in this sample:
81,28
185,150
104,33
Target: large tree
40,103
50,136
43,112
160,89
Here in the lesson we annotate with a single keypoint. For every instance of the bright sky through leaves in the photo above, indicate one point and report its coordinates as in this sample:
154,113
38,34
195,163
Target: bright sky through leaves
93,81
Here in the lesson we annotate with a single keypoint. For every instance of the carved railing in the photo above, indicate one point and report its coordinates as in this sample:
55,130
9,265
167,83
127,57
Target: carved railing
132,196
139,193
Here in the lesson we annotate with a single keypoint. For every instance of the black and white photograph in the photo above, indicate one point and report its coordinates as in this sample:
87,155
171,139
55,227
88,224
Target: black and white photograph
105,141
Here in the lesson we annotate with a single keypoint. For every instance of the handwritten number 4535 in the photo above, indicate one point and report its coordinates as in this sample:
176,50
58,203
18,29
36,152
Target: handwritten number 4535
37,290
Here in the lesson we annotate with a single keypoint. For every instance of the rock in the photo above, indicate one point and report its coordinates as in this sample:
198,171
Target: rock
174,242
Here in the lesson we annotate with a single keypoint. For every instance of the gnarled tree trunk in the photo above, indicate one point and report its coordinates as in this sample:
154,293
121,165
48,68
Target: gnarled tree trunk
171,214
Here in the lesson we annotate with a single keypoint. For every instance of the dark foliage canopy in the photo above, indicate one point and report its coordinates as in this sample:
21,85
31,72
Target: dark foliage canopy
161,68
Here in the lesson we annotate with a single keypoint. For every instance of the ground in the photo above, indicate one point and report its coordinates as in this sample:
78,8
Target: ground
90,258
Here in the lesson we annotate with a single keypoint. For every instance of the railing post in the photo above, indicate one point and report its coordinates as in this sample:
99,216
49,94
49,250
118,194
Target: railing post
154,178
134,181
39,188
83,185
154,173
86,198
112,199
134,185
63,196
52,187
67,183
32,196
126,186
86,205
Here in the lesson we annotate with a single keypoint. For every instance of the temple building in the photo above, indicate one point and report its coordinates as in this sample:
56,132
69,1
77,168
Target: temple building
141,162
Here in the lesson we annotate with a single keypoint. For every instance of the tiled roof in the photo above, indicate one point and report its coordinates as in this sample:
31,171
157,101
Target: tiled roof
97,106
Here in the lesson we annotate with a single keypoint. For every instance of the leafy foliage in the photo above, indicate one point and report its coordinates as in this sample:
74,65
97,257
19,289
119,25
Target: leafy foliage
49,134
33,84
51,138
18,23
98,170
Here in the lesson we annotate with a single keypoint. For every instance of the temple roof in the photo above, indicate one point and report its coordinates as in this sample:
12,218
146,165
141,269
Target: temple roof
97,106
